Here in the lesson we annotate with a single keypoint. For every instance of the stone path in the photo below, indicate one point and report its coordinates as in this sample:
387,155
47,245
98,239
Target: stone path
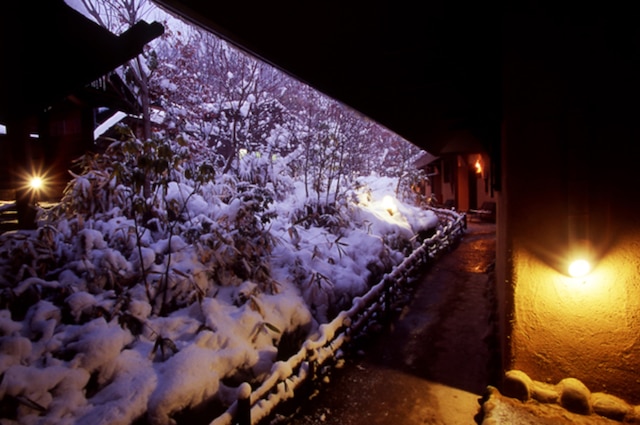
434,362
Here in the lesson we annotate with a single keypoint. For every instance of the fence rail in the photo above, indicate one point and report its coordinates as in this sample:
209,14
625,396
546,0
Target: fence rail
287,376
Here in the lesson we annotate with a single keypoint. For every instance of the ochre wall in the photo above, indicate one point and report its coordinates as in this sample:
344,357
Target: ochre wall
585,328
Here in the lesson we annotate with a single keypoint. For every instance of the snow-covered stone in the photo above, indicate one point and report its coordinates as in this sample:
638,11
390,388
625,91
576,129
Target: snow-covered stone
575,396
544,393
633,415
517,384
609,406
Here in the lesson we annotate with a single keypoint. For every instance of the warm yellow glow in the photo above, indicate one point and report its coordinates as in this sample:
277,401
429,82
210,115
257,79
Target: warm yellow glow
478,166
582,325
36,183
389,204
579,268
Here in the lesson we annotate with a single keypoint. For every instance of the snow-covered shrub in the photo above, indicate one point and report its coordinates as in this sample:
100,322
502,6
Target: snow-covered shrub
156,250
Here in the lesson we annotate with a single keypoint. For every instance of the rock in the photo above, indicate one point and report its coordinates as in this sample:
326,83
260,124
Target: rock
489,405
575,396
544,393
517,384
609,406
633,415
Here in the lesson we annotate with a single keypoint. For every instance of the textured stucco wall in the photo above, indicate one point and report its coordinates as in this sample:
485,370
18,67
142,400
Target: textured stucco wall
587,328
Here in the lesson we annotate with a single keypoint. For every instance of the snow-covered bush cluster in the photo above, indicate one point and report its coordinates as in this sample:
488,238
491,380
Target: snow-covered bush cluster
158,284
203,243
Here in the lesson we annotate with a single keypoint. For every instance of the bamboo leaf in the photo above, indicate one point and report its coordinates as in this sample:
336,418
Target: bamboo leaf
253,304
30,403
272,327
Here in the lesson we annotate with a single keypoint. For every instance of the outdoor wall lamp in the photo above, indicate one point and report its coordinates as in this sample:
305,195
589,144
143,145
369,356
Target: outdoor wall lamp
580,259
578,206
579,268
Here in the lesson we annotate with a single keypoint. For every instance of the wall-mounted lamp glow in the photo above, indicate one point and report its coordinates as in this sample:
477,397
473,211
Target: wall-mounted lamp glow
578,203
579,268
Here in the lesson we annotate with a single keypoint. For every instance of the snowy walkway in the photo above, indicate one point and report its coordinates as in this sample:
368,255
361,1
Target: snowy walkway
432,365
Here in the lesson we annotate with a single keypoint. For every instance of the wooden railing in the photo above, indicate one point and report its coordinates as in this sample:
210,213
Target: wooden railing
8,216
286,377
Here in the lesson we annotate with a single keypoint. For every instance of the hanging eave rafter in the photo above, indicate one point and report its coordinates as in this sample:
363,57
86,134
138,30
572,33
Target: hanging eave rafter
50,50
425,70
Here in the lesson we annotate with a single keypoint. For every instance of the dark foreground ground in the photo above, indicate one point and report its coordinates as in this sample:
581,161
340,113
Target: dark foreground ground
433,363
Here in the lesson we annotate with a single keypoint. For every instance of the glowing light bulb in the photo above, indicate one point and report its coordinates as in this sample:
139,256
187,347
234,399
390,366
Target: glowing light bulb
579,268
478,166
36,183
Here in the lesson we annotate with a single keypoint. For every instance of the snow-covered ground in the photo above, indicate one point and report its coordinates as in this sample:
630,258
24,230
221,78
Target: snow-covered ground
84,344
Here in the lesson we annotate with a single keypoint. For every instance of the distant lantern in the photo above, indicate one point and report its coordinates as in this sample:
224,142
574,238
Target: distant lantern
478,166
36,183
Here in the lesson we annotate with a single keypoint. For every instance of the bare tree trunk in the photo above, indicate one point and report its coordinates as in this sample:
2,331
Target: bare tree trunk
145,102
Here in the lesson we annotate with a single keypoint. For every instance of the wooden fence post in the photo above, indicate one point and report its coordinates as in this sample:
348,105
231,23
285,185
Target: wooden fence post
243,414
311,359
